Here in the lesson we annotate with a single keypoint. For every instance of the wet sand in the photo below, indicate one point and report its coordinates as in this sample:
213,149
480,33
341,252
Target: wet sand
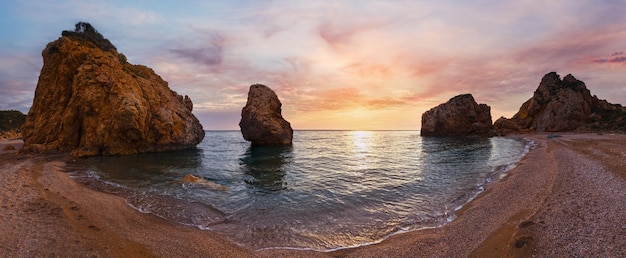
566,198
10,146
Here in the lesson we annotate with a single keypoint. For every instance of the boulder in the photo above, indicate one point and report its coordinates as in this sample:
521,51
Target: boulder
90,101
261,120
563,105
460,116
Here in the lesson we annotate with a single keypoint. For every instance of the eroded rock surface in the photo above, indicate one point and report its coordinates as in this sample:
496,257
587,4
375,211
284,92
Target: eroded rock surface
460,116
261,120
563,105
90,101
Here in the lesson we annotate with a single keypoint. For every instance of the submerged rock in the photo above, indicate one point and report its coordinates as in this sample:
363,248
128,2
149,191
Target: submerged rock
460,116
261,120
189,178
563,105
90,101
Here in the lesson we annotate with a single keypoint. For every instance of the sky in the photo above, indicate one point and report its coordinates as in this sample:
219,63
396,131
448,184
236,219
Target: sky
353,65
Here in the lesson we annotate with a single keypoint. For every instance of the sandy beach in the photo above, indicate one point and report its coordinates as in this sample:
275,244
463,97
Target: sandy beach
566,198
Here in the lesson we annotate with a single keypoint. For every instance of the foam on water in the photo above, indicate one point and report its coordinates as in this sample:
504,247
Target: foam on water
331,190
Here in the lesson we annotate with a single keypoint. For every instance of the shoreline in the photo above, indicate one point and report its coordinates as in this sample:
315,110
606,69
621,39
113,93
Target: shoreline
44,213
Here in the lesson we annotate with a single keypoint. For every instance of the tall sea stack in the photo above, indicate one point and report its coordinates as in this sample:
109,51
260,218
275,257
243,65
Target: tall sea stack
261,120
90,101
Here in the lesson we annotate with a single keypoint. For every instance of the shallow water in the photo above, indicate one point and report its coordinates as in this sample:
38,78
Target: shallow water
331,189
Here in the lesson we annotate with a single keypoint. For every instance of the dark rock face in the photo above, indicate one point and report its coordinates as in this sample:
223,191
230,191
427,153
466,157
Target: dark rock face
90,101
563,105
460,116
261,120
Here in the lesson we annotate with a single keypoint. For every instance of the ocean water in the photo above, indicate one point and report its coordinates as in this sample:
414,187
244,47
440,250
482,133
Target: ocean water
330,190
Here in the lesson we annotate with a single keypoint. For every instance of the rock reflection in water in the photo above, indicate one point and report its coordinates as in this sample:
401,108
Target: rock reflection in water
266,166
145,169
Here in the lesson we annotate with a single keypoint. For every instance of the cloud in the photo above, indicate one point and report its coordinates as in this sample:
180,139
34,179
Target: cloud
346,98
342,57
615,58
340,33
18,79
370,70
218,119
16,94
211,54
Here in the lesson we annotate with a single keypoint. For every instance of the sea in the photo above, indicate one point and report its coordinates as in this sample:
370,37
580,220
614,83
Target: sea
330,190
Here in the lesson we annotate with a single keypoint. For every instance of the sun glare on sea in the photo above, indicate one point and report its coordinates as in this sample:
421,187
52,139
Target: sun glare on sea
361,147
361,141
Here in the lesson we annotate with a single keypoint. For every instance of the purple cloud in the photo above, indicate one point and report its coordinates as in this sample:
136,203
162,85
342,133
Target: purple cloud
211,55
616,58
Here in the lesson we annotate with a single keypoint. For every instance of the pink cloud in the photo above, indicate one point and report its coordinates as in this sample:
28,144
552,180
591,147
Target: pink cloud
367,70
339,35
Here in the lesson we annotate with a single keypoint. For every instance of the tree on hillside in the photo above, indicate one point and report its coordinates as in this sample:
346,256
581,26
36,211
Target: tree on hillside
85,27
86,33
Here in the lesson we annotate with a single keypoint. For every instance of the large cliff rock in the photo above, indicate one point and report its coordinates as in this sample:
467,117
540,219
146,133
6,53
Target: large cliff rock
261,120
90,101
460,116
564,105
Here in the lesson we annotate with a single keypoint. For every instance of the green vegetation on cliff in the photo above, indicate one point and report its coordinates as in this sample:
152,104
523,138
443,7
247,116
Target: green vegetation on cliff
11,120
86,33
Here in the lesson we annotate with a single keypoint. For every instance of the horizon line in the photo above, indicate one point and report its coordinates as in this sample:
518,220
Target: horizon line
407,130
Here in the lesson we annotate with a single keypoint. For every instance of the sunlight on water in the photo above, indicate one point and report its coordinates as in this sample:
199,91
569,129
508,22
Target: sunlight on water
331,189
361,141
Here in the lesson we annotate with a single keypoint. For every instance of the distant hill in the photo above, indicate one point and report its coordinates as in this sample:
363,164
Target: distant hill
11,120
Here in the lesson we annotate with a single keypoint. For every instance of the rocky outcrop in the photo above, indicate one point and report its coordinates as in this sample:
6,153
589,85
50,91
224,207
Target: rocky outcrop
563,105
90,101
460,116
261,120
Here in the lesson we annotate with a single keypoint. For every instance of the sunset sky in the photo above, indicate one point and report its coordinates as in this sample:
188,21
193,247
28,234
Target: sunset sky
362,65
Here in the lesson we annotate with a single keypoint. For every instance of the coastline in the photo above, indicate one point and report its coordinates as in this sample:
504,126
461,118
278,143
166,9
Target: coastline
566,198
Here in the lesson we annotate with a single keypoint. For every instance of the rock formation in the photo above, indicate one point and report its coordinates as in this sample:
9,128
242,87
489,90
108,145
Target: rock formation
261,120
90,101
460,116
563,105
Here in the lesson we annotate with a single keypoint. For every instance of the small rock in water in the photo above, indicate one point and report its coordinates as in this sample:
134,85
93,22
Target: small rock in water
189,178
